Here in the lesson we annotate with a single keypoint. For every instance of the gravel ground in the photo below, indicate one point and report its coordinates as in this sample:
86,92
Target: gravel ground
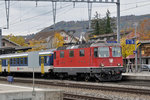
96,93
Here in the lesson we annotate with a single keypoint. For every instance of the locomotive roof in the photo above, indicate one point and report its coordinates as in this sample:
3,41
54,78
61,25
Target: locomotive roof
87,45
44,52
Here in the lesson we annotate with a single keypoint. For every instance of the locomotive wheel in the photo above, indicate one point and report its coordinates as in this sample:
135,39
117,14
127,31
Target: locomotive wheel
87,78
97,80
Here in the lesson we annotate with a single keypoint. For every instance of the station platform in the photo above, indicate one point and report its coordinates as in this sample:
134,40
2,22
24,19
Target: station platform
143,76
14,92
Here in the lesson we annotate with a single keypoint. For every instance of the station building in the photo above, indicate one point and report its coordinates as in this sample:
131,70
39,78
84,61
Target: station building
11,47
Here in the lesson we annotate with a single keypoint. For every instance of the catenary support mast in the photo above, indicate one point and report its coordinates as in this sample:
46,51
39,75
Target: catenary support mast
54,2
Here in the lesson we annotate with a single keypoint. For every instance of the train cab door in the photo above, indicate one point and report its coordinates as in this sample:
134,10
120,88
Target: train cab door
94,56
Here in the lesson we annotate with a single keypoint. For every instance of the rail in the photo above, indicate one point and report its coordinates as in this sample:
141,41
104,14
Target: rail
69,96
83,86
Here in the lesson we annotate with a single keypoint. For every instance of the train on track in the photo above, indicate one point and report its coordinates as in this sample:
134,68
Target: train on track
98,61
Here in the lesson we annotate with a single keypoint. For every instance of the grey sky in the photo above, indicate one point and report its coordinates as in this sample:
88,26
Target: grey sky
26,18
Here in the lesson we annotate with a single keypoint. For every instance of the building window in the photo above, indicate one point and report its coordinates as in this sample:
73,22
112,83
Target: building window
61,54
81,53
65,38
71,53
111,38
3,43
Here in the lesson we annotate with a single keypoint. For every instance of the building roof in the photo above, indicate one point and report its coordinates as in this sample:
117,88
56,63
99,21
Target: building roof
10,41
145,42
110,35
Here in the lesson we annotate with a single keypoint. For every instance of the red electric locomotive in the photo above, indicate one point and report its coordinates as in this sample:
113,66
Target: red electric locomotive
99,61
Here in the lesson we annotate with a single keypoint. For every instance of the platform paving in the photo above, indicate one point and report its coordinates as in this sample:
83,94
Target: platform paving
14,92
145,76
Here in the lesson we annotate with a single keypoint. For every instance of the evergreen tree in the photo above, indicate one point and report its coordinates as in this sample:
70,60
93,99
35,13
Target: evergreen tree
108,28
95,24
103,25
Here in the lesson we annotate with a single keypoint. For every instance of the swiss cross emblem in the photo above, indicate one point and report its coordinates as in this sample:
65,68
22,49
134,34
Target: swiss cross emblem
111,60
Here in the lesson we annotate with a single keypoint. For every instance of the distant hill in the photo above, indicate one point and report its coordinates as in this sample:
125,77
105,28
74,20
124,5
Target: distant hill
81,26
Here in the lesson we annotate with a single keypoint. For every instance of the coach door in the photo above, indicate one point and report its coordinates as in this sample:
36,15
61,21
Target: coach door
42,64
8,65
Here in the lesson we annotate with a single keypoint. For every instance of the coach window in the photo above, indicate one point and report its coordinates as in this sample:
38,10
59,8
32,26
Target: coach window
11,61
45,59
61,54
21,60
14,61
25,60
95,52
71,53
17,60
82,53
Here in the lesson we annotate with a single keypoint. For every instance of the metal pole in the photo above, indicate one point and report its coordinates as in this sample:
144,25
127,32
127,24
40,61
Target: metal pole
0,38
33,92
89,13
54,4
135,49
118,21
7,6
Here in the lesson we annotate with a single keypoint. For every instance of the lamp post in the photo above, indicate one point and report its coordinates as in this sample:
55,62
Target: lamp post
0,38
135,47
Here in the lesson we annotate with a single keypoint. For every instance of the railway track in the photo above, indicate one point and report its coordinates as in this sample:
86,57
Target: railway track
69,96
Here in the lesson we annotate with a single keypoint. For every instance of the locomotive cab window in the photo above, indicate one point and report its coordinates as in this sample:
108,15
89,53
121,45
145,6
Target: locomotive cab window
95,52
82,53
71,53
61,54
116,51
103,51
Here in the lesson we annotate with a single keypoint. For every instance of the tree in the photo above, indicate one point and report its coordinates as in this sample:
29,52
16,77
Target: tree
127,49
104,25
95,24
17,39
58,40
144,29
36,45
108,28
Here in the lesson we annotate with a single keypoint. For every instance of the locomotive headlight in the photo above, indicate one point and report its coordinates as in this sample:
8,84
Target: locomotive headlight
102,65
119,64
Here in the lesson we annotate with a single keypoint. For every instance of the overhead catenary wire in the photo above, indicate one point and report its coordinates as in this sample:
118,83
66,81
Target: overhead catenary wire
113,12
29,18
131,8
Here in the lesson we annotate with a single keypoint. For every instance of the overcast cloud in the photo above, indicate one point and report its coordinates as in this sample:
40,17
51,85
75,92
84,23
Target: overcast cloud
26,18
